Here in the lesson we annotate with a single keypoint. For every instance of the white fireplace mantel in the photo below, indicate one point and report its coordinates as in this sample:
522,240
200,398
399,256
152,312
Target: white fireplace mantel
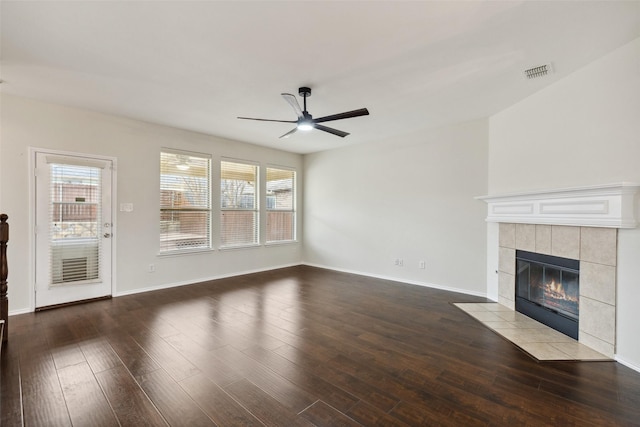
611,205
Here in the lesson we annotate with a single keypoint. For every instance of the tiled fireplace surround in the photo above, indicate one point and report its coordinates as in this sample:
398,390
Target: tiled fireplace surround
578,223
595,247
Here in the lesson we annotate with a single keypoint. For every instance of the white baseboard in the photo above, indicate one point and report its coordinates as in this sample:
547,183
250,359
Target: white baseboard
401,280
20,311
200,280
627,364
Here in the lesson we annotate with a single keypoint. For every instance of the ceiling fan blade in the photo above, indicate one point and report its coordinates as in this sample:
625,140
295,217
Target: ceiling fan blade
333,131
346,115
288,134
269,120
293,102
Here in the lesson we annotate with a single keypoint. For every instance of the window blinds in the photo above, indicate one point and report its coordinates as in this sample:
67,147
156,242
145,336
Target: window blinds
75,194
281,214
185,201
239,216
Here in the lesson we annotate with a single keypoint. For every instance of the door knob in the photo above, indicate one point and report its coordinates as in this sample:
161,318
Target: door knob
107,235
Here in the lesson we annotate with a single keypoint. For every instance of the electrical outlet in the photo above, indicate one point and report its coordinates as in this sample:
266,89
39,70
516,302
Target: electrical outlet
152,268
422,265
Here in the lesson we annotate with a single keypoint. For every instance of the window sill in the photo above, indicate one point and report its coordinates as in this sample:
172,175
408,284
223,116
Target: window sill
282,243
230,248
185,252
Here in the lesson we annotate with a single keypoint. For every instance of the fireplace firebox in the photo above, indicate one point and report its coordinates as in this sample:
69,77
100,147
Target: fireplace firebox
547,290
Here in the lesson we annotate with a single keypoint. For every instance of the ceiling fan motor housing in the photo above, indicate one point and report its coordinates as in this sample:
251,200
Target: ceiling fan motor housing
304,92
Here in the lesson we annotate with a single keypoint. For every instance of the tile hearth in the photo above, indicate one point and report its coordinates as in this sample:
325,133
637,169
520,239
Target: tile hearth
536,339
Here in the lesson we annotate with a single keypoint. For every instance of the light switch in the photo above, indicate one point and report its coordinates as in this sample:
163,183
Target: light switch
126,207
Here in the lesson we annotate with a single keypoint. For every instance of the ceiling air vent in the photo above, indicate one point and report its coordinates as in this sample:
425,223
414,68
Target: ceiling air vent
539,71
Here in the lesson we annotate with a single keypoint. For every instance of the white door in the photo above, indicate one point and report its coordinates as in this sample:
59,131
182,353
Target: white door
73,228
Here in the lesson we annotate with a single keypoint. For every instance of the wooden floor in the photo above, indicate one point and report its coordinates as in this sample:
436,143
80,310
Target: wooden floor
297,346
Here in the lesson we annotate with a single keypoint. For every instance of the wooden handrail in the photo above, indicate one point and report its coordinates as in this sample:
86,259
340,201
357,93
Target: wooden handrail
4,272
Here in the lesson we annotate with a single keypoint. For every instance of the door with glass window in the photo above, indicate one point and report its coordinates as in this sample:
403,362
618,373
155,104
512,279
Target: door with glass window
74,229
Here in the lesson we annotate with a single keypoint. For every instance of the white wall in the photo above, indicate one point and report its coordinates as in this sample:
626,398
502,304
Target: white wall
136,145
582,130
410,198
593,117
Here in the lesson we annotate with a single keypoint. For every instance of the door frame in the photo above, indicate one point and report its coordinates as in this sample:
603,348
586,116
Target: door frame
32,214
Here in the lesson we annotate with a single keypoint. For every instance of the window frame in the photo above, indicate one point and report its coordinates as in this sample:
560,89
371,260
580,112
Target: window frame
207,208
293,210
256,210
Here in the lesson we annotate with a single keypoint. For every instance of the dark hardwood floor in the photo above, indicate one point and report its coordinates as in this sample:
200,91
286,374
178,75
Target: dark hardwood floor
293,347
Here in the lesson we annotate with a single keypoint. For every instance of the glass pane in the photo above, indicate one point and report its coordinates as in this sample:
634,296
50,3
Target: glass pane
280,205
280,185
75,198
239,228
548,286
552,287
280,226
239,199
238,186
184,181
185,201
184,230
523,272
75,223
536,290
572,291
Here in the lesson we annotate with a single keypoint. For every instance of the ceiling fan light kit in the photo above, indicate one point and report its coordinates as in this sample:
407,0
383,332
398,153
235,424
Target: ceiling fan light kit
306,122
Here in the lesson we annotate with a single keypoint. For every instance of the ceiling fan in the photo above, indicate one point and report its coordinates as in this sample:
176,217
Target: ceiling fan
306,122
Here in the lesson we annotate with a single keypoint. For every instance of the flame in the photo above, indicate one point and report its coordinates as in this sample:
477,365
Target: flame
556,290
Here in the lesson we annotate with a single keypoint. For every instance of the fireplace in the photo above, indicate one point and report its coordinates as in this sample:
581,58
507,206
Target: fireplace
579,223
547,290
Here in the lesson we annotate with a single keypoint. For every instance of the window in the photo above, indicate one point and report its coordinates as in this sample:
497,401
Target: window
75,195
185,201
281,205
239,216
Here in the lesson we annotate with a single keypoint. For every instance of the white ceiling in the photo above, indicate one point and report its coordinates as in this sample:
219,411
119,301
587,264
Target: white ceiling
199,65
